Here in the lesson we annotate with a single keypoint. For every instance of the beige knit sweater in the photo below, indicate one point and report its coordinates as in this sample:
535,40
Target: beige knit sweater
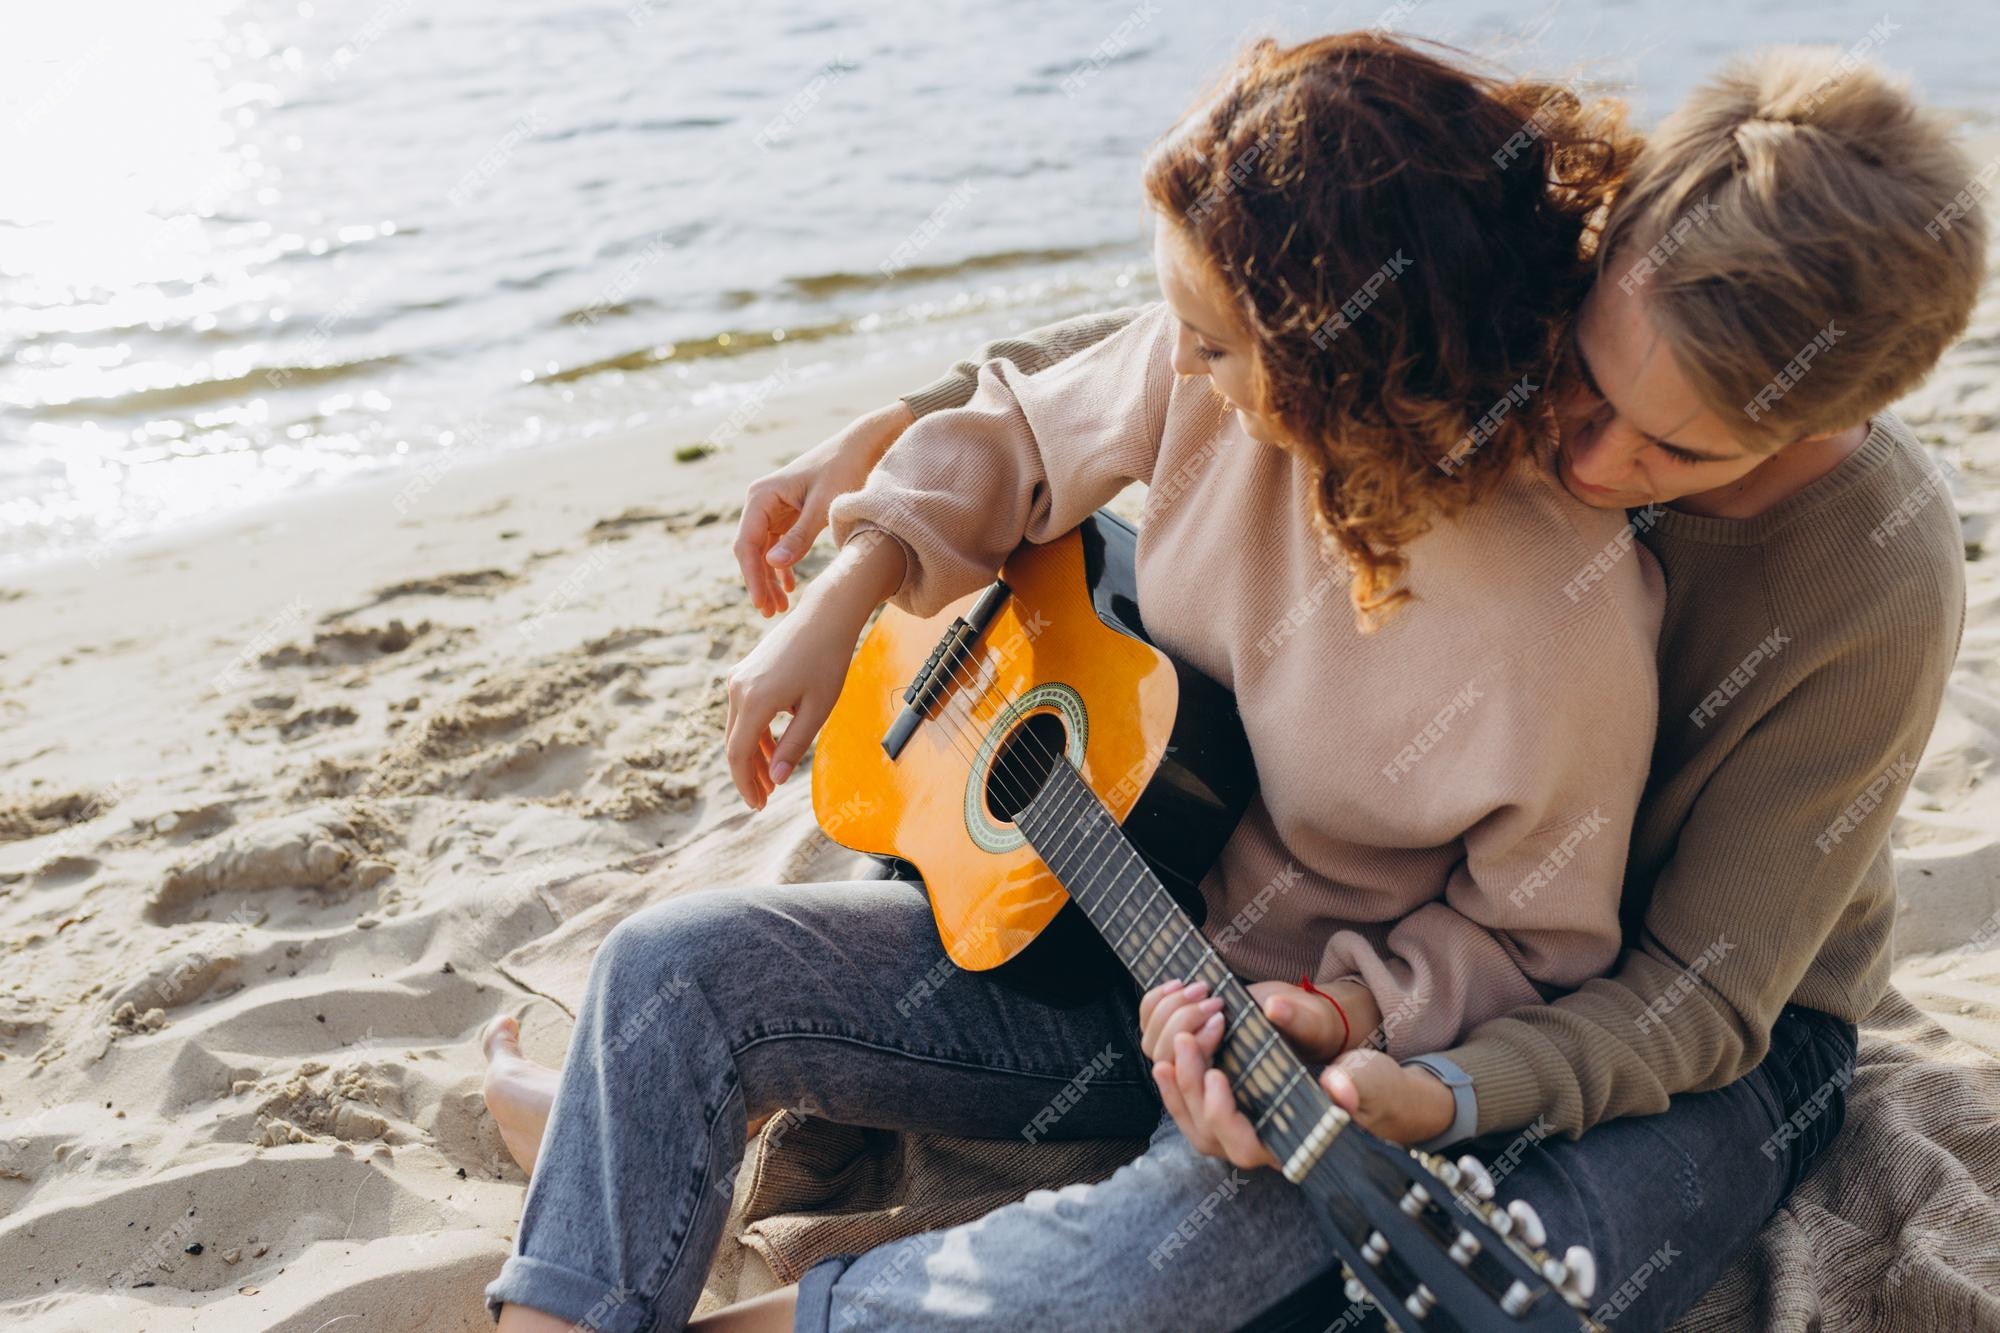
1803,659
1445,803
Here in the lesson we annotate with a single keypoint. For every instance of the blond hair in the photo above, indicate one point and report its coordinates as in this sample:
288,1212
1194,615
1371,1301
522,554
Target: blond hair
1803,236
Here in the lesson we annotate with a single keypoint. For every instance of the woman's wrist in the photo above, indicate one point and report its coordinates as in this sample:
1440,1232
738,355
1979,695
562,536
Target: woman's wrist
1357,1002
869,569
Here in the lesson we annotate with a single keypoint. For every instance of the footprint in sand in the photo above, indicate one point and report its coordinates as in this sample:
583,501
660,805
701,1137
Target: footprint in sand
37,816
472,583
353,645
319,854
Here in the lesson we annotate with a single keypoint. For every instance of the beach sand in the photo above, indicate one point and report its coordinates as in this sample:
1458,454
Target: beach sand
280,797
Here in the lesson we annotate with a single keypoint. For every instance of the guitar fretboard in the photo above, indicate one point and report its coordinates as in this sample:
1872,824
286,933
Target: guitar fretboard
1080,842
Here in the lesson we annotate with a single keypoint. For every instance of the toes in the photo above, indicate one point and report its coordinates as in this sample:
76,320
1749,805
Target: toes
502,1038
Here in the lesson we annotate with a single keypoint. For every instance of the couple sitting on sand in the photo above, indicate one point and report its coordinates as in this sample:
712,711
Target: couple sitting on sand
1581,798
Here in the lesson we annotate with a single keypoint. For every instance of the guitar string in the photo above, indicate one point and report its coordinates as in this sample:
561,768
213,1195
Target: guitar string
1079,799
962,669
1071,804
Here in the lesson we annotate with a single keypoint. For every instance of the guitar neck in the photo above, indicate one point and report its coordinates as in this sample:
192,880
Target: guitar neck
1389,1218
1119,894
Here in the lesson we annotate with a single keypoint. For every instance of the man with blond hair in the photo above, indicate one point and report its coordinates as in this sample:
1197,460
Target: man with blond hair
1795,248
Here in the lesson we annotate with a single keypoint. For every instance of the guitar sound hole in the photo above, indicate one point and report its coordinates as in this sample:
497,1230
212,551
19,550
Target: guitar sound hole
1023,763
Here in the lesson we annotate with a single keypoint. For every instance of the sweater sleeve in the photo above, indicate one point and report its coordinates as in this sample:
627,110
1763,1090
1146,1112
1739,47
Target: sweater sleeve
1565,728
1033,351
1028,458
1738,914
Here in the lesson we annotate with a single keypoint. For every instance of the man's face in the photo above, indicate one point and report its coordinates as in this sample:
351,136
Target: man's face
1636,433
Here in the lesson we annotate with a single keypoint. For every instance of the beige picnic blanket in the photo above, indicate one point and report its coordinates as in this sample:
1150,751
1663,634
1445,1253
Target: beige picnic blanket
1898,1228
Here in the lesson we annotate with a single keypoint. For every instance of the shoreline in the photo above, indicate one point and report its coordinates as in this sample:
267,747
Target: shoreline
281,797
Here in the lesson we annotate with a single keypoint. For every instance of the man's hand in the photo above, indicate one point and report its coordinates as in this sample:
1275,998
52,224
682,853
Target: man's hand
785,511
1401,1103
1181,1029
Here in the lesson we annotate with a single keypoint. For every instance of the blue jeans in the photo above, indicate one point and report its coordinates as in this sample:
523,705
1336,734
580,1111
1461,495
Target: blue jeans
1665,1202
712,1009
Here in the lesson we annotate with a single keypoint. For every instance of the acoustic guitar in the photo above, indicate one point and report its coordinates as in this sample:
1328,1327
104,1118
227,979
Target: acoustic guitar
1060,786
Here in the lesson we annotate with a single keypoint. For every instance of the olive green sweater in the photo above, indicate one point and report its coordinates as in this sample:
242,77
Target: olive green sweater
1802,660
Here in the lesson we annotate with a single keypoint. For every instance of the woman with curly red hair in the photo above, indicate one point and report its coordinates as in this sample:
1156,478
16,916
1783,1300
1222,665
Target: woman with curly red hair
1344,390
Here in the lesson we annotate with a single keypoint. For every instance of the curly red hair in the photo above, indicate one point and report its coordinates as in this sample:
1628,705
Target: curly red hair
1405,242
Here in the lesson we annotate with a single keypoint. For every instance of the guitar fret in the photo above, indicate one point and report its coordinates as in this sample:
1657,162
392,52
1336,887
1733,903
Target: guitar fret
1082,844
1278,1102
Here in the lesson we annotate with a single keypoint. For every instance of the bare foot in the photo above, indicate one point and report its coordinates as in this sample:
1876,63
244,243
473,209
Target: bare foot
519,1092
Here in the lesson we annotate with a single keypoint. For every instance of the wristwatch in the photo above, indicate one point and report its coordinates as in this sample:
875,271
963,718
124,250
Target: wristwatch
1463,1098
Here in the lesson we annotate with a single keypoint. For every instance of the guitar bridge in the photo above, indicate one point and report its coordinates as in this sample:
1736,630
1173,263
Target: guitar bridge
936,675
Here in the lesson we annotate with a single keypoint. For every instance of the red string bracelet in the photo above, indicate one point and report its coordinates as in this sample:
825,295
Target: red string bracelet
1346,1028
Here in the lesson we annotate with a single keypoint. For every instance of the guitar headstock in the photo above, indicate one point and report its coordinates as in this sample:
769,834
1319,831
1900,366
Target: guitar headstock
1434,1249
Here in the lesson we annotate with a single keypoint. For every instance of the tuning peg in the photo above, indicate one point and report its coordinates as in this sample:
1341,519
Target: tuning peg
1414,1200
1477,1181
1464,1249
1449,1174
1376,1249
1531,1230
1582,1266
1517,1300
1420,1301
1357,1292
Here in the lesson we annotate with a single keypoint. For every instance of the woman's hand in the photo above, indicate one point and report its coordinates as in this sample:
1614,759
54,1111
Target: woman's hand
1181,1028
799,667
784,511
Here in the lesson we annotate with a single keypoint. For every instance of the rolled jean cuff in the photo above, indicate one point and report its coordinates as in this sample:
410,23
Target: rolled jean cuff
567,1294
812,1308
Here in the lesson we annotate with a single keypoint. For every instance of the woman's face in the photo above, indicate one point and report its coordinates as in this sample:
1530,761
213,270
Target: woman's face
1211,342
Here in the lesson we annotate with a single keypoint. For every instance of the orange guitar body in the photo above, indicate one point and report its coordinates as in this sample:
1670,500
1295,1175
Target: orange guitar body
1053,668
